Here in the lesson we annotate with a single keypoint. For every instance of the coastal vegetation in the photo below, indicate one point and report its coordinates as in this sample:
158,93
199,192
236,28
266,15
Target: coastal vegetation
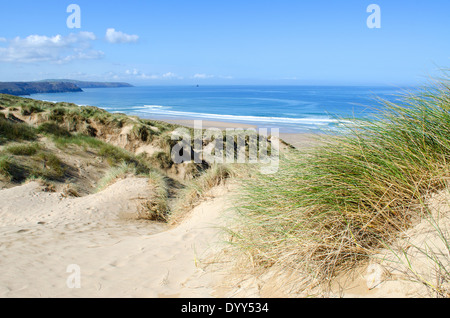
58,143
329,207
333,206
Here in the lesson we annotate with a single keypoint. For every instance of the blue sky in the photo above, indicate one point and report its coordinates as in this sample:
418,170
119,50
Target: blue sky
225,42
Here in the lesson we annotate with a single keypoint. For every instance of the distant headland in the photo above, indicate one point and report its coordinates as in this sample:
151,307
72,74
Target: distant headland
53,86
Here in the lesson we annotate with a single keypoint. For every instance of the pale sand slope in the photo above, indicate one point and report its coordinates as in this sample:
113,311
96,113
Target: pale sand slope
388,274
41,234
415,264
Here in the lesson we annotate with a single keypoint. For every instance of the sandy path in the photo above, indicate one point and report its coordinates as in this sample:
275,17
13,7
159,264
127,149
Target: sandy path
41,234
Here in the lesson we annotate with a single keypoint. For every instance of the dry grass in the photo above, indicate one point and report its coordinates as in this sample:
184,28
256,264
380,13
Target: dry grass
197,189
157,208
115,173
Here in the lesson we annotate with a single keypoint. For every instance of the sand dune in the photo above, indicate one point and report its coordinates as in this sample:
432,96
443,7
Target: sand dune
42,233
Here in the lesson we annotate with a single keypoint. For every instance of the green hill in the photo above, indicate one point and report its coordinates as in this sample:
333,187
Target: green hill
86,84
28,88
53,86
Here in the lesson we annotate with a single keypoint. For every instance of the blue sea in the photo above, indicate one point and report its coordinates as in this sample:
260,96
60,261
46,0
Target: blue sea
292,109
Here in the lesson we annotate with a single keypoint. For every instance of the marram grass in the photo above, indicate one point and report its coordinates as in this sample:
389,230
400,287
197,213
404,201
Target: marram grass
329,207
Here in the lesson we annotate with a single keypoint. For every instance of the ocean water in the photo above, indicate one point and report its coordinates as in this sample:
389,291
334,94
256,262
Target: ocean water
289,108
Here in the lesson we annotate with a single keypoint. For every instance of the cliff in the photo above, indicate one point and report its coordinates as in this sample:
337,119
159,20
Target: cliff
86,84
28,88
53,86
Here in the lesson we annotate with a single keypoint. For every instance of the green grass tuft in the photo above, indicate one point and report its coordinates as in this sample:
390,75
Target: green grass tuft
13,131
330,207
5,167
115,155
48,166
114,173
23,149
10,170
53,129
28,110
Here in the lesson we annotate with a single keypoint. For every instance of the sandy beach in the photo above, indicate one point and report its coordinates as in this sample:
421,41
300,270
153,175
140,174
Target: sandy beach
42,234
209,124
297,140
47,237
224,151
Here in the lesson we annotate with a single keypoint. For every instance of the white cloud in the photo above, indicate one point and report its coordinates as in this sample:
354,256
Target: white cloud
113,36
135,73
2,40
56,49
145,76
202,76
170,75
132,72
